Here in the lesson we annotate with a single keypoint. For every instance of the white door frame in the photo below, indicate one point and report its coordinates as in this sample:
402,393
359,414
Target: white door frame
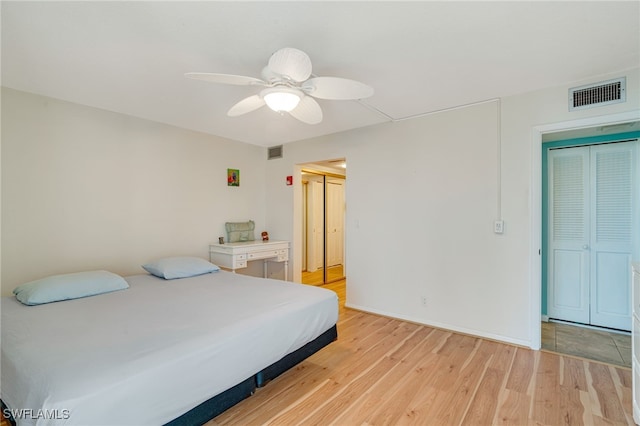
535,214
297,239
296,255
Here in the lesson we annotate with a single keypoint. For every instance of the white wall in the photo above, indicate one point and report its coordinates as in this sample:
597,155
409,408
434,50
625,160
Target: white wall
84,188
422,196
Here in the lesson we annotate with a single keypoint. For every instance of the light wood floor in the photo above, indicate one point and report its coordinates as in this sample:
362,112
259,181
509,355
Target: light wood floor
334,273
383,371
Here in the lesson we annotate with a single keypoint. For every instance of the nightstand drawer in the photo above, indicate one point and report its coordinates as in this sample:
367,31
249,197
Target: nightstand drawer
262,254
283,255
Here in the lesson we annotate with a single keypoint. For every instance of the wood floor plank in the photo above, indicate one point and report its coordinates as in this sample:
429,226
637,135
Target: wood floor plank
572,412
484,404
513,408
622,381
546,390
455,403
453,355
361,349
624,376
344,399
387,388
394,404
420,410
602,382
574,374
397,408
521,371
453,406
301,380
384,340
449,381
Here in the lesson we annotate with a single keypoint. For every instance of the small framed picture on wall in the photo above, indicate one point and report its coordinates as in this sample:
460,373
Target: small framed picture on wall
233,177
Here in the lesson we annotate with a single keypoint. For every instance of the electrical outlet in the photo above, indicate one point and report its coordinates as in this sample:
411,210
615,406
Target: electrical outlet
423,299
498,226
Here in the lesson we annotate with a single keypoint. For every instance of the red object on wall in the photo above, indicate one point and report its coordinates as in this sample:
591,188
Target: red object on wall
289,180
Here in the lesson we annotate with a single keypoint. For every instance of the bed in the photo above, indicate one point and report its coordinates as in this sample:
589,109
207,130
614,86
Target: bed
161,351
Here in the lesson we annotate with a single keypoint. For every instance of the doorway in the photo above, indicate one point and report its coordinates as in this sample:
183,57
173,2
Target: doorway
584,127
589,131
590,198
591,194
323,207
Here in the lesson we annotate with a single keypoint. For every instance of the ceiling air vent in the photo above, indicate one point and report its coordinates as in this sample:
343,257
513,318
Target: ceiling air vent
598,94
274,152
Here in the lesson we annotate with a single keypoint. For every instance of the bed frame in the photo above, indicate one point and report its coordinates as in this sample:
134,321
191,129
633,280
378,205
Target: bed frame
227,399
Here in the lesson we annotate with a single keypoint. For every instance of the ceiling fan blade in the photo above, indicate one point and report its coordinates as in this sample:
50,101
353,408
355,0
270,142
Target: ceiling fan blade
238,80
336,88
246,105
292,63
308,111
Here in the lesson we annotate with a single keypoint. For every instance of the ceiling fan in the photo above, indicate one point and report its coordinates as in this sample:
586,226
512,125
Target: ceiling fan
288,88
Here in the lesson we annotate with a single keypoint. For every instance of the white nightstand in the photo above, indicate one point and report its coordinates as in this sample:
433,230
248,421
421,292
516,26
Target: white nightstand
236,255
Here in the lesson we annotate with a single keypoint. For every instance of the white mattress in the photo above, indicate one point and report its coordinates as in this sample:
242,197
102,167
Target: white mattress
148,354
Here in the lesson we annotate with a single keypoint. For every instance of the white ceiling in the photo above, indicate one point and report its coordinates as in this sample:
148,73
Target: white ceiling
420,57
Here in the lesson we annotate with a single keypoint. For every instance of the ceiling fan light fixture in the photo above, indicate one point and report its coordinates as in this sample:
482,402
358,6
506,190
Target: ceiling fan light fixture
281,98
288,88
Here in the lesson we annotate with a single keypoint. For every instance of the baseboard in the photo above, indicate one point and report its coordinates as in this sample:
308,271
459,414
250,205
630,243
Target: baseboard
462,330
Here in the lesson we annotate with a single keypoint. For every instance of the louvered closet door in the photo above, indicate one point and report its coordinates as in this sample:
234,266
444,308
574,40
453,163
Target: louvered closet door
612,231
568,262
591,233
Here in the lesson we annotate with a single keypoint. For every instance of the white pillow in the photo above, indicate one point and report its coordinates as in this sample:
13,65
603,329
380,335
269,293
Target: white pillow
69,286
171,268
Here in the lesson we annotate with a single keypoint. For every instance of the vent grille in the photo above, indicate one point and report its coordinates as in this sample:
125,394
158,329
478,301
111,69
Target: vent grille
599,94
274,152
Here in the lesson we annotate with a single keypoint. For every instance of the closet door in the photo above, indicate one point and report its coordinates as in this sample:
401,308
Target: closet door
612,231
568,261
592,206
315,224
335,222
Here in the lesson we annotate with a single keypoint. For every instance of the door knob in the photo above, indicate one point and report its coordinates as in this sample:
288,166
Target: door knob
585,246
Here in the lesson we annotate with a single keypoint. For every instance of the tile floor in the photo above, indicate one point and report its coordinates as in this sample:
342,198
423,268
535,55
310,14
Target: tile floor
600,345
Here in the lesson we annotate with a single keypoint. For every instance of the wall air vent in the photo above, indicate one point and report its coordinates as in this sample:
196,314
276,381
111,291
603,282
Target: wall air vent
598,94
274,152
